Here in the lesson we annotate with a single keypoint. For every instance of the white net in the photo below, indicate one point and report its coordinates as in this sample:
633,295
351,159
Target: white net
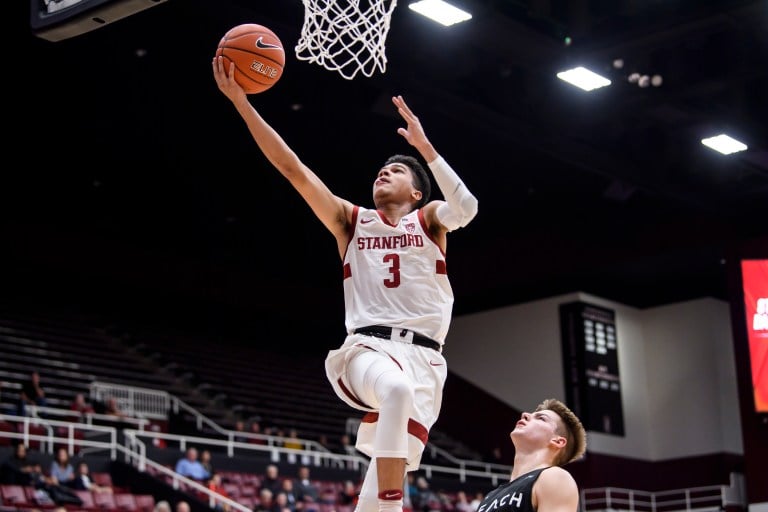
347,36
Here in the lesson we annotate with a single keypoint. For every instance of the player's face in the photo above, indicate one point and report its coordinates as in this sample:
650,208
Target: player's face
537,427
395,181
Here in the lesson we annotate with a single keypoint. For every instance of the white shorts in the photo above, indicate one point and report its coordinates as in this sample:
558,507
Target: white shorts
425,367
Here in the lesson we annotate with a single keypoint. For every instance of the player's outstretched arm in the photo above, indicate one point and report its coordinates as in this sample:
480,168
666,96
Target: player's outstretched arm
329,208
460,205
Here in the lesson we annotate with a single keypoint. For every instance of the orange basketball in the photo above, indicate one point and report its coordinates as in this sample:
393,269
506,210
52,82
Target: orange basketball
258,55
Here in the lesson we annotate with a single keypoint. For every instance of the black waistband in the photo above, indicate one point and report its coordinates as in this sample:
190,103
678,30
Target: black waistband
382,331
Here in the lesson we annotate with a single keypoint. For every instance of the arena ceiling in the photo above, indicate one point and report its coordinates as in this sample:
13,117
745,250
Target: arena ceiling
138,184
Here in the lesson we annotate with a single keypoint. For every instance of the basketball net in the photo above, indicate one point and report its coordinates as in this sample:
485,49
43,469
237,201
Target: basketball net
347,36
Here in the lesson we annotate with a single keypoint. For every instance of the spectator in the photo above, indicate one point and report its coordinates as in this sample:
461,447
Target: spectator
205,461
32,393
426,500
307,493
162,506
83,481
287,490
256,429
214,485
62,471
281,503
80,405
266,501
239,436
21,469
112,408
271,479
190,467
479,496
292,440
348,494
183,506
462,504
347,447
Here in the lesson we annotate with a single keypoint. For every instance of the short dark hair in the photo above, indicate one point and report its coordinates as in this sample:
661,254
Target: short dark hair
575,435
420,177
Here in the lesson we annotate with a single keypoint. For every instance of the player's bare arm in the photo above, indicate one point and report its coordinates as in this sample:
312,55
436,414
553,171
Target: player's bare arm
333,211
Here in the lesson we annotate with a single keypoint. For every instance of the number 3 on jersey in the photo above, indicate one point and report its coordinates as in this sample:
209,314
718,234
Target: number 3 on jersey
393,260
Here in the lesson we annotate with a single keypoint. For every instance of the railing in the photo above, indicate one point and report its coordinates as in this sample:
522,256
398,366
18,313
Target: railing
311,457
711,498
60,433
87,418
132,400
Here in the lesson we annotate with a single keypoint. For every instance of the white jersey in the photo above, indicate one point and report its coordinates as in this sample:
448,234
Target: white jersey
396,276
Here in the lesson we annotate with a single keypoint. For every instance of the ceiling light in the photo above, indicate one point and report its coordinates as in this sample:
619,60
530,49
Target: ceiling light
583,78
724,144
440,11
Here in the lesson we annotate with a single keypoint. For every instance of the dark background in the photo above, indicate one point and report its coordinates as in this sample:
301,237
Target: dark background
132,188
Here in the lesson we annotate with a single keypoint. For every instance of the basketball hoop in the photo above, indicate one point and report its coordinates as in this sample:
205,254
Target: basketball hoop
347,36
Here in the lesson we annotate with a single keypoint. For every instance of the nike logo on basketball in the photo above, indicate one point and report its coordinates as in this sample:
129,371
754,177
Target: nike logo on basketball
366,221
265,46
435,364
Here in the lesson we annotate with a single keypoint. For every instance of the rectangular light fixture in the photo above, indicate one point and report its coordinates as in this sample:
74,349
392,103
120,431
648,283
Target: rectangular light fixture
724,144
583,78
441,12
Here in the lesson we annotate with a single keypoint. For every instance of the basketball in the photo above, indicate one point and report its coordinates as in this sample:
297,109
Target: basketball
258,55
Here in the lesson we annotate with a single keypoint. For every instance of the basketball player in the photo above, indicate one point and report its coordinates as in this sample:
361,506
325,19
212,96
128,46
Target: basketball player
397,295
544,440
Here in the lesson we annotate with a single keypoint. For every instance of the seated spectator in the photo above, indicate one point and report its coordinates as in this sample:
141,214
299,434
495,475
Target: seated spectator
266,501
32,393
80,405
462,504
348,494
162,506
347,447
190,467
271,479
205,461
307,493
292,440
426,500
182,506
289,494
83,481
238,436
61,470
214,484
21,469
256,429
112,408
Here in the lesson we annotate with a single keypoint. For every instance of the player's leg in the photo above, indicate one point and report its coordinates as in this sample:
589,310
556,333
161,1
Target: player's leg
380,383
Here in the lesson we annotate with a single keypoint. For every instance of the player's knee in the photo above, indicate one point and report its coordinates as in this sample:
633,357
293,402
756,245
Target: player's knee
401,392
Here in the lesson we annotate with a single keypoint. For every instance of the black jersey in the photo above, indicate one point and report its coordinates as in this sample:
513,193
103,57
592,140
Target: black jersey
514,496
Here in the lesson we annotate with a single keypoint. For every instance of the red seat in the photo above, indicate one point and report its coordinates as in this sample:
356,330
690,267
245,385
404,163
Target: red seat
103,479
87,498
104,500
13,495
247,501
125,501
144,502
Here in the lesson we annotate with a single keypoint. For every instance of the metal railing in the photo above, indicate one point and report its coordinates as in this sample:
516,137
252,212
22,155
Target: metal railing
52,433
709,498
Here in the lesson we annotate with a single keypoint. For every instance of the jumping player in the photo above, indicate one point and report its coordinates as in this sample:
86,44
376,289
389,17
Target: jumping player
398,299
544,440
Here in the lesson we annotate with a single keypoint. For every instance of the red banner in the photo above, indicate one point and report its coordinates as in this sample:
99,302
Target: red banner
755,284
